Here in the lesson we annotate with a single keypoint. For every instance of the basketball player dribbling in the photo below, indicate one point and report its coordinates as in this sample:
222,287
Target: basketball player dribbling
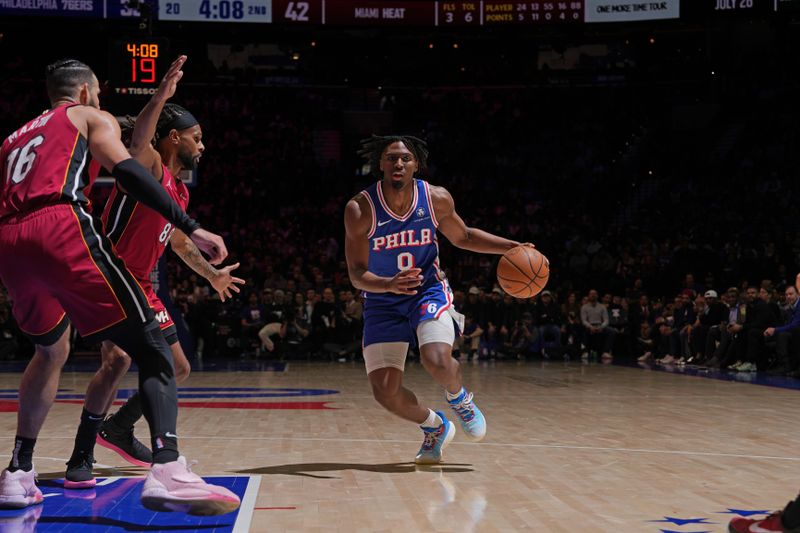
59,268
393,257
140,236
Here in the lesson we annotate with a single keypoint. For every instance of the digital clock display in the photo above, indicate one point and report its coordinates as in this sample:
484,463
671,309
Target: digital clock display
137,65
216,10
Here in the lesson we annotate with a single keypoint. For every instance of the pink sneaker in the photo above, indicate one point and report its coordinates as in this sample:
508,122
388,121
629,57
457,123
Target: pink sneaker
18,489
174,487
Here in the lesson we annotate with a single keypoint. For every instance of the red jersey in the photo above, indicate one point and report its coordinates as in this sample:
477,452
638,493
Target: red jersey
45,162
140,235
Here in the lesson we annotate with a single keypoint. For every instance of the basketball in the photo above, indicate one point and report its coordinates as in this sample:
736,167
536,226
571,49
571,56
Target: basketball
523,272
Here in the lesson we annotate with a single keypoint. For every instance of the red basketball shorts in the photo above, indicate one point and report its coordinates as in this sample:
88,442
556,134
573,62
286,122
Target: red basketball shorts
162,315
59,267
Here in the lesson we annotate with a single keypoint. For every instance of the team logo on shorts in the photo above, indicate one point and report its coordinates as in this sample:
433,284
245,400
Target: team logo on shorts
421,212
162,317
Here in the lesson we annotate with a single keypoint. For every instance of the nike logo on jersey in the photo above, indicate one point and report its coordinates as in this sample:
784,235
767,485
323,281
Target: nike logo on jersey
383,223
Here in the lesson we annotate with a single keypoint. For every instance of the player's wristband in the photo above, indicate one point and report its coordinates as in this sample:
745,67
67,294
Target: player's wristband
140,184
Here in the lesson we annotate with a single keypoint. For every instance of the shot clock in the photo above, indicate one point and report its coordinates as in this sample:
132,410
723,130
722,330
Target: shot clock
137,65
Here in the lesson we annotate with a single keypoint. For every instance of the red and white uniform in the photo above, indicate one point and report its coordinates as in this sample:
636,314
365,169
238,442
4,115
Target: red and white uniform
55,260
140,236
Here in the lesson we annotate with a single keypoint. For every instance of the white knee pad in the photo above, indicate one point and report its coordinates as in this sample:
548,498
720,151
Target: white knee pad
437,330
385,355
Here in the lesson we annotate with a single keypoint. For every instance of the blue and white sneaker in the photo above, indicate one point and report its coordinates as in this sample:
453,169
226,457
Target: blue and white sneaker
435,440
472,421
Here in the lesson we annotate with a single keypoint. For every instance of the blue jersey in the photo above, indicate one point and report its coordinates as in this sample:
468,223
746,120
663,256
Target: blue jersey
399,242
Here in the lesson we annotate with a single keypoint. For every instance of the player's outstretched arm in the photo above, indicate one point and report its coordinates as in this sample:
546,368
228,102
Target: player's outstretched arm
357,224
453,227
222,280
141,141
103,134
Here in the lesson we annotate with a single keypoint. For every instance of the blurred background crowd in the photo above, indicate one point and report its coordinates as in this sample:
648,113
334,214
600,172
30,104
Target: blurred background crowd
655,168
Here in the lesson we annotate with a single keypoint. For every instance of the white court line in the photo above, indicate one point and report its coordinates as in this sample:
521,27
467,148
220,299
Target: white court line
492,444
247,508
516,445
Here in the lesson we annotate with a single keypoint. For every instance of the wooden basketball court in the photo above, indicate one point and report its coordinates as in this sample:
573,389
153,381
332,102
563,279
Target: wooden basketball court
570,447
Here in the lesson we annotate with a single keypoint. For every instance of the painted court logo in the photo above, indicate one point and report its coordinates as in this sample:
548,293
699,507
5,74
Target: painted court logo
702,525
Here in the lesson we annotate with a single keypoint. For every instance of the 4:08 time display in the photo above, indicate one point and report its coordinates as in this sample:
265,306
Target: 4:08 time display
221,10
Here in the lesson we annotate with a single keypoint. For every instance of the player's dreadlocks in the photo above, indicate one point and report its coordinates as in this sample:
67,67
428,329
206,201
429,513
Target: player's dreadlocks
372,149
172,117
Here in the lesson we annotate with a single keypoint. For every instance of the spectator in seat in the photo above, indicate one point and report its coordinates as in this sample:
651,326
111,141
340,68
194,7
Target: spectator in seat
618,321
323,320
495,315
641,312
253,317
762,314
786,338
712,313
548,320
470,341
594,317
523,336
719,336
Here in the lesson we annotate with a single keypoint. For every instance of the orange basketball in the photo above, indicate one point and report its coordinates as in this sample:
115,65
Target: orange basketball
523,272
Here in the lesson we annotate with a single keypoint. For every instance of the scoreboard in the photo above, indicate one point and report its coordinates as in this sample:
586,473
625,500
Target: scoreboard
375,12
421,13
470,13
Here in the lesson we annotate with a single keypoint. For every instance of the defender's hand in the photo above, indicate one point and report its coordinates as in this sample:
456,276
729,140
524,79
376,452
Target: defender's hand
224,282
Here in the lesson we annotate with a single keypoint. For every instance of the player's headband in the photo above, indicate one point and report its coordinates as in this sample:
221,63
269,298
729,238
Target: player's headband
181,122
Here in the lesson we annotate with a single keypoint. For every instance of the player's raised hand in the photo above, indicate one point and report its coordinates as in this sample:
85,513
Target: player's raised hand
224,282
406,281
171,78
211,244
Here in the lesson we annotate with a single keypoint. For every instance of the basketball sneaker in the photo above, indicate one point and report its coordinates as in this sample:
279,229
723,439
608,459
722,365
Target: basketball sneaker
18,489
174,487
123,442
472,421
79,472
764,525
430,453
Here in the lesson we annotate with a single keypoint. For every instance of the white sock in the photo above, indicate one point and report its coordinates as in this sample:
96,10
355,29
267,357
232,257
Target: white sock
433,421
451,396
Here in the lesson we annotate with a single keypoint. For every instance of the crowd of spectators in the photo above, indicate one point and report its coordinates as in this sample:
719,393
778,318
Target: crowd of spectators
610,182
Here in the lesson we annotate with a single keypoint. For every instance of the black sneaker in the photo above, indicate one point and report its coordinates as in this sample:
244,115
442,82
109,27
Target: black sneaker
124,443
79,472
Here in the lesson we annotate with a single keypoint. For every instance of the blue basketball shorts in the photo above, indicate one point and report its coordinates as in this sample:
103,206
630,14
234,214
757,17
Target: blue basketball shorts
394,318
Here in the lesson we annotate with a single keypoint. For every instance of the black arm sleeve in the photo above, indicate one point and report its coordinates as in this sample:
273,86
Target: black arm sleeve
140,184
